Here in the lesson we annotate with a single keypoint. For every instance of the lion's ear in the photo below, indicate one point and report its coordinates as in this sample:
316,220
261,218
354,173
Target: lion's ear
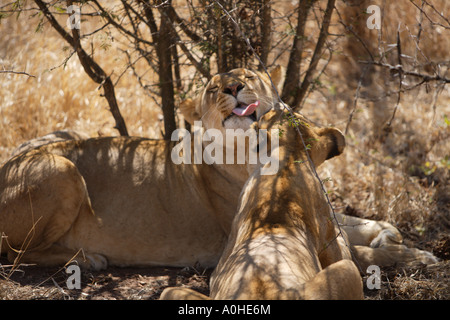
332,142
188,110
277,75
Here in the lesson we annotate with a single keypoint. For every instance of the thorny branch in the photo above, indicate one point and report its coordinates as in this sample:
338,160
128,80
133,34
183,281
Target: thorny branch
424,78
399,68
435,10
188,54
118,25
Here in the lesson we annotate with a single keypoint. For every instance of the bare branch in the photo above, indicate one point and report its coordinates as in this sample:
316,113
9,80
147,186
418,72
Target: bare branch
400,77
292,82
429,19
398,68
93,70
355,99
266,30
350,29
17,72
188,53
174,17
316,55
118,25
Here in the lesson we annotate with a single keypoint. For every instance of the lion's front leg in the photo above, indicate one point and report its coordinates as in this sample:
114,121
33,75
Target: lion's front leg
365,232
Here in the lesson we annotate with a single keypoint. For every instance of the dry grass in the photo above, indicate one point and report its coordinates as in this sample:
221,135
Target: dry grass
38,283
400,175
64,97
413,283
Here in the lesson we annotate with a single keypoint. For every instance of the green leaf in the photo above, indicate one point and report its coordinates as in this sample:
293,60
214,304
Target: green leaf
420,229
447,122
40,26
105,46
59,9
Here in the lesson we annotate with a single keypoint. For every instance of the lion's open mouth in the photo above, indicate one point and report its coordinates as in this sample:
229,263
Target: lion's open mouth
244,110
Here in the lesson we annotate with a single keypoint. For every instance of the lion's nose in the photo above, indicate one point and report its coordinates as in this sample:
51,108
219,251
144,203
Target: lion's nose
233,89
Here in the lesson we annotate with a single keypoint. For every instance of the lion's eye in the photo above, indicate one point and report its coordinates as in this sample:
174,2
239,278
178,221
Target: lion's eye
250,77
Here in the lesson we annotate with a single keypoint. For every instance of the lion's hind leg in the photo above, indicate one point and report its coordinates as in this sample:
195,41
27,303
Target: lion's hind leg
379,243
41,196
339,281
179,293
391,255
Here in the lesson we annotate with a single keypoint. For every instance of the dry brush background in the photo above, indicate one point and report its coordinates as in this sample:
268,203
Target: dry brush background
397,173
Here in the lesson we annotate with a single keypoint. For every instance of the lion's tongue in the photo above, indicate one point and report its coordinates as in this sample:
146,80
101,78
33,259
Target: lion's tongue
246,110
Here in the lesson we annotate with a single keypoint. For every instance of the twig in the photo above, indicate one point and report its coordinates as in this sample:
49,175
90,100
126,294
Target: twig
182,24
355,99
429,19
118,25
26,242
146,88
61,290
435,97
437,11
186,51
419,32
64,266
398,68
350,29
17,72
64,62
400,77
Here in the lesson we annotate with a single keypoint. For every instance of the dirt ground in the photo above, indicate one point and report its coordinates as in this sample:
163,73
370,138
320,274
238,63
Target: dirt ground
38,283
29,282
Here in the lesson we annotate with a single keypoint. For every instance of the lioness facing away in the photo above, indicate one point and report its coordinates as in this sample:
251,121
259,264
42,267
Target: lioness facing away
122,201
283,244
